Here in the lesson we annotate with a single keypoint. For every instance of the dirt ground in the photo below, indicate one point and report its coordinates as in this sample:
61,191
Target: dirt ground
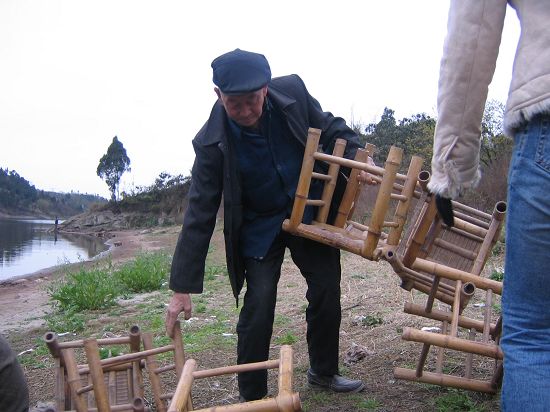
370,341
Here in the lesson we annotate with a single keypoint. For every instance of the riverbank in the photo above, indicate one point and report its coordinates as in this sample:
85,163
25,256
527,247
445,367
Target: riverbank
24,299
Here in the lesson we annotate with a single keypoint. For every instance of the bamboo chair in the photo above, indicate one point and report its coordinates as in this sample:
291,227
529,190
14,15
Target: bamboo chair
285,401
364,240
446,264
115,383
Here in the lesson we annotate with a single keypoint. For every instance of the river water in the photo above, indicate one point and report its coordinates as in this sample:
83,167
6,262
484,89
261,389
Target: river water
27,246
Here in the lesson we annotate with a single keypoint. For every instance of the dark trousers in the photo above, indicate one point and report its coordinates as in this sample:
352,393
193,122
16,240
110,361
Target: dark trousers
320,266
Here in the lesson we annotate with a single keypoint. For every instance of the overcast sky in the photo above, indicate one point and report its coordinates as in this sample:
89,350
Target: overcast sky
73,74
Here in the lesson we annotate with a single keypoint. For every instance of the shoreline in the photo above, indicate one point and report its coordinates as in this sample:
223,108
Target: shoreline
50,270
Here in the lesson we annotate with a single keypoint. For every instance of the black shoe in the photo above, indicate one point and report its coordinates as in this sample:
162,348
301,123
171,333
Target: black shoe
334,383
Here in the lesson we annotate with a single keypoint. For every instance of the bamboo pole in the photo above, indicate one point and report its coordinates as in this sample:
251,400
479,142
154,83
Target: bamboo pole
456,309
244,367
137,377
138,405
152,364
285,370
281,403
487,315
472,220
73,379
455,274
328,189
183,390
467,292
96,372
436,314
469,356
470,228
468,254
418,237
382,200
422,360
451,342
444,380
352,188
471,210
441,350
304,181
491,237
403,206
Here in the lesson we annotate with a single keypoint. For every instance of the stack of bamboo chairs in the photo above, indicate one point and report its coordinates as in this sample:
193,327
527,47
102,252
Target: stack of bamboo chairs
444,263
117,383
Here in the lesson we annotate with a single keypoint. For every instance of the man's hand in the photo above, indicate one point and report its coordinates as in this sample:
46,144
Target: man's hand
180,302
365,177
445,210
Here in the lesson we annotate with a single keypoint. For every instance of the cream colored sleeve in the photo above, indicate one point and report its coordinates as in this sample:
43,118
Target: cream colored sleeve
470,51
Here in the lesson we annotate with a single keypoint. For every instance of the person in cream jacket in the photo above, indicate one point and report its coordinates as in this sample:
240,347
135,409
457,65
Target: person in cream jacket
467,67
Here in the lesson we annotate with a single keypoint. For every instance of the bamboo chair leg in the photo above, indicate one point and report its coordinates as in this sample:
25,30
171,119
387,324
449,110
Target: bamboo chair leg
403,206
285,369
305,179
73,379
469,357
487,315
152,366
441,349
96,372
422,360
183,390
382,201
456,309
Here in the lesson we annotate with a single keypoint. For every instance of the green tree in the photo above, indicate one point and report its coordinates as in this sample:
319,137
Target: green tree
112,166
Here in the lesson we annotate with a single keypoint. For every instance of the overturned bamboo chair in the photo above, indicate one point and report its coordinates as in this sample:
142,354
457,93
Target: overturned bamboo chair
368,240
285,401
446,263
114,383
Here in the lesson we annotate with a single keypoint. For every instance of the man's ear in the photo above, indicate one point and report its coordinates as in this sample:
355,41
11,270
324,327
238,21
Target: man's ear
218,93
264,91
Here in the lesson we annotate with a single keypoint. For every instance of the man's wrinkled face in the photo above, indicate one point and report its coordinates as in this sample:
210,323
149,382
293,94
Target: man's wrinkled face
245,109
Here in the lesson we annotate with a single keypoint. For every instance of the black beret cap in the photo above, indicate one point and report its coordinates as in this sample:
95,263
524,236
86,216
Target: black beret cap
240,72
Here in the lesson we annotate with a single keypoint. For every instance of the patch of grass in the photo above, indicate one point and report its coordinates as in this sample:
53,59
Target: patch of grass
368,404
85,290
456,401
497,275
147,272
200,308
38,357
497,308
202,337
281,320
287,339
68,321
372,320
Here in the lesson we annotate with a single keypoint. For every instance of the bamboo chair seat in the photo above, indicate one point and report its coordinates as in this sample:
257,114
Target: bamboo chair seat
285,401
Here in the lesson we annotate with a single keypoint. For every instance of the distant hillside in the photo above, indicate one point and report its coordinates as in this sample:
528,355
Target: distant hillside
19,198
162,203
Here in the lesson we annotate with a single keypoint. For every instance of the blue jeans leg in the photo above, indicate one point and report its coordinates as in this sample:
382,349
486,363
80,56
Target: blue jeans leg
526,294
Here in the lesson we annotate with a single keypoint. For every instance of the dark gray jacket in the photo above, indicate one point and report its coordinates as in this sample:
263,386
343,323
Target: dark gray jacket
214,172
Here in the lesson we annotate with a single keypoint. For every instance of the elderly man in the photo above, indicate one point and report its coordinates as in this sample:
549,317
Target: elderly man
251,150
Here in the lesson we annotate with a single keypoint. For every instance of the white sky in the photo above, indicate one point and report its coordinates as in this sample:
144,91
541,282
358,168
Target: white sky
73,73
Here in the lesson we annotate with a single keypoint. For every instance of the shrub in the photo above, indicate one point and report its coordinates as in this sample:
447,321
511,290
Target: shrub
85,289
146,273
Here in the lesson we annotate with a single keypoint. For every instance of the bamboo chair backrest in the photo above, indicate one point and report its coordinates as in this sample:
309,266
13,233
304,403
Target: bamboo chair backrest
364,240
285,401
